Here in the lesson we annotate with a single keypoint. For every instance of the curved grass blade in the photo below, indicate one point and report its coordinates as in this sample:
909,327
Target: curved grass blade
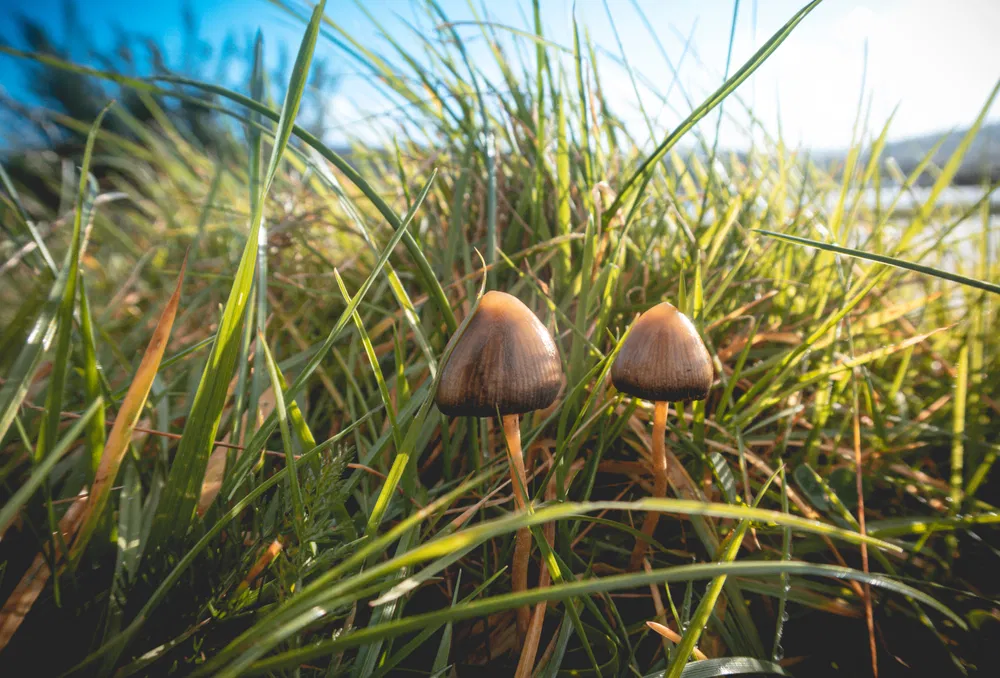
26,219
286,439
729,666
728,552
400,462
682,573
330,591
252,637
922,525
402,298
883,259
403,464
256,444
369,655
258,88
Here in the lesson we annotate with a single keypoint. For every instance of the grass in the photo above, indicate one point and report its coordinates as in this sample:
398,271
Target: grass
277,494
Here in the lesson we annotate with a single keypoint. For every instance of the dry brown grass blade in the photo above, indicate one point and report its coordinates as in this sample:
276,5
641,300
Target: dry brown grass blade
534,634
128,416
787,338
216,468
214,472
674,637
742,310
24,595
270,553
869,618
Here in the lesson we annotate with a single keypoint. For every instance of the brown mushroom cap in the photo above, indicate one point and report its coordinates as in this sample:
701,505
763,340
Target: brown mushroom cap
663,358
506,360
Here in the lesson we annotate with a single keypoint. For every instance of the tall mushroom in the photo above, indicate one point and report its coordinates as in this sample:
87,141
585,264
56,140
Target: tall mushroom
663,360
505,362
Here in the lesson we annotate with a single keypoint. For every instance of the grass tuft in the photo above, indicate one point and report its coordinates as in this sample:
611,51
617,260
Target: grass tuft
209,533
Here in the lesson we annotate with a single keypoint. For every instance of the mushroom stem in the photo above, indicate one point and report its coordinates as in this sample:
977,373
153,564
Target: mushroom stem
534,632
518,477
522,542
659,481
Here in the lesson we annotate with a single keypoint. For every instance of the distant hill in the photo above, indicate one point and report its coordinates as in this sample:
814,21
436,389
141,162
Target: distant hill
982,162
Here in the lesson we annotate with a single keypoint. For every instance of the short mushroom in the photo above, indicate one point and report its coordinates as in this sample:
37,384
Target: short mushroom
662,360
505,363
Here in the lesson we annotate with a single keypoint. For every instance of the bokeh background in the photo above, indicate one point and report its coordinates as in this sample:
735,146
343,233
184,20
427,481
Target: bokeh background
934,61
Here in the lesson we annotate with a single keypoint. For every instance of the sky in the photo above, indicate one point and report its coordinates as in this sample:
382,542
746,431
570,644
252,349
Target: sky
936,61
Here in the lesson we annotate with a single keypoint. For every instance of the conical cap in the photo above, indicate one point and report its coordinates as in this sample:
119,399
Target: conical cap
506,360
663,358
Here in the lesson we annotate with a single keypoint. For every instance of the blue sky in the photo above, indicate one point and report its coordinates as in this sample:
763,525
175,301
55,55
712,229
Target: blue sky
936,60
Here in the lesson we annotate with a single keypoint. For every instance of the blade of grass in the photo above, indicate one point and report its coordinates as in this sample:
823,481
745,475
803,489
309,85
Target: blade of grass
564,591
328,592
286,438
256,444
64,316
727,554
41,471
883,259
92,384
180,498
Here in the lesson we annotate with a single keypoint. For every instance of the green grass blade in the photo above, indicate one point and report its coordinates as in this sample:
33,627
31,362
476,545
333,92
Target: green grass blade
565,591
298,513
177,507
64,318
730,666
26,220
41,471
96,433
400,462
883,259
332,589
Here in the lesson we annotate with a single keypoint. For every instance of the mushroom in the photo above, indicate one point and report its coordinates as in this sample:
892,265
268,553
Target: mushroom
662,360
505,363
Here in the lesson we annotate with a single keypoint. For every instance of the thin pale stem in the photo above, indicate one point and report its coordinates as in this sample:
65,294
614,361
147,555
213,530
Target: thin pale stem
869,618
518,477
522,542
534,634
659,481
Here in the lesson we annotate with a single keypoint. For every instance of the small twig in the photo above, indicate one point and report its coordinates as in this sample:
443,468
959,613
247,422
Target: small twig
111,422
